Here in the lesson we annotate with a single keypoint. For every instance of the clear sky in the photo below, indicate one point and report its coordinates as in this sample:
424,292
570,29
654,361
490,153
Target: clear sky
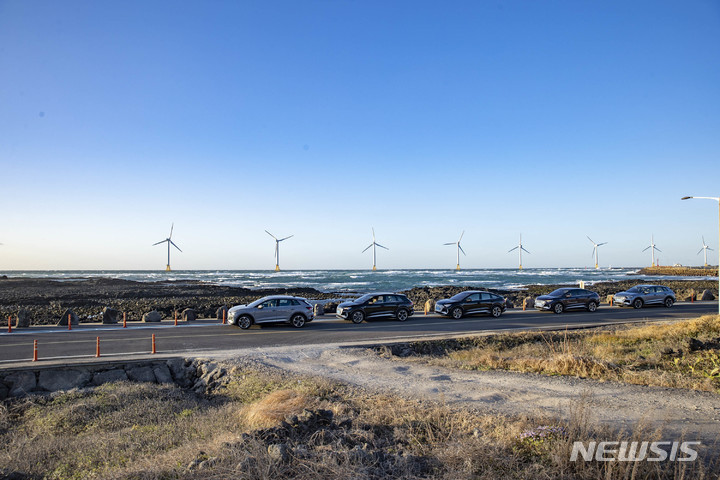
322,119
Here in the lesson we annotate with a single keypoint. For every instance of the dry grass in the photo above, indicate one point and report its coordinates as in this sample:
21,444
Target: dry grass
142,431
272,409
655,354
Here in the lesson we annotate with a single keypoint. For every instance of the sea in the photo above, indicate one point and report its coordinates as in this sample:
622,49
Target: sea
362,281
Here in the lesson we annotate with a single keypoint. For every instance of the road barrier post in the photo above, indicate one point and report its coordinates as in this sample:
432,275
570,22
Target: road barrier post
35,351
124,319
524,303
224,314
69,321
153,344
175,317
612,299
9,323
97,347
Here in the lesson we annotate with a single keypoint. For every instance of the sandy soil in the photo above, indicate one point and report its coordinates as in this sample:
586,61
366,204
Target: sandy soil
696,415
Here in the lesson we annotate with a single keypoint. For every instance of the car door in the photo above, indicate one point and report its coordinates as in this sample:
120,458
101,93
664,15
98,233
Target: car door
284,309
375,306
486,302
266,311
576,299
658,295
471,304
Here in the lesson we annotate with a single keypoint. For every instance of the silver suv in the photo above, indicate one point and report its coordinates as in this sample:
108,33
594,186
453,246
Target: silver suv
641,295
273,309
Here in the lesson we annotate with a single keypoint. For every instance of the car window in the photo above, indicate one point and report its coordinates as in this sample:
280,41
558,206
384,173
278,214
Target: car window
558,292
284,302
377,299
269,303
486,296
397,298
474,297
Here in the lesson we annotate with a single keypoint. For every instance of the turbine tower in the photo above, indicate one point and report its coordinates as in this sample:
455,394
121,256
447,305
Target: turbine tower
520,249
169,242
595,250
459,249
704,247
652,248
277,249
373,245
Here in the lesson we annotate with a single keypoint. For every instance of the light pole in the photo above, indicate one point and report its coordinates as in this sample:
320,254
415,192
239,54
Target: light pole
717,199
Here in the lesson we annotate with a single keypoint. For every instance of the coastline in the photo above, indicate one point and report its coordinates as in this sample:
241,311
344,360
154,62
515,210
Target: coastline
47,299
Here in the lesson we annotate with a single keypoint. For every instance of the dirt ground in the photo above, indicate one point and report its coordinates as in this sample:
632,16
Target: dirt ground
691,414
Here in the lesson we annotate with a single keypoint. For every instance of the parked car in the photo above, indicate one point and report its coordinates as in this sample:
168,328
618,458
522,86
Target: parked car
273,309
376,305
471,303
641,295
568,299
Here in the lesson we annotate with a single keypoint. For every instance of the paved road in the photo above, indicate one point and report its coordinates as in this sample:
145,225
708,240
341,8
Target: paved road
58,344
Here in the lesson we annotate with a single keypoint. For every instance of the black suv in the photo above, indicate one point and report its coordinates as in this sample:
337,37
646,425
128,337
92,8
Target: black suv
471,303
376,305
568,299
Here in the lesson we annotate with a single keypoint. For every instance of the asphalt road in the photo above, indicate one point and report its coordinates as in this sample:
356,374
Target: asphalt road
57,344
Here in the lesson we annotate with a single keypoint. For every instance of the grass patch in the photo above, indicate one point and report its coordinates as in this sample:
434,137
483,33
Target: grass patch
683,354
271,425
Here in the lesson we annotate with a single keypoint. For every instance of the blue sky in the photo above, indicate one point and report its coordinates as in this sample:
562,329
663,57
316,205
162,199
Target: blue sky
322,119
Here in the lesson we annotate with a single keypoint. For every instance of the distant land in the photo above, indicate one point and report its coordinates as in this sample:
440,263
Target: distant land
680,271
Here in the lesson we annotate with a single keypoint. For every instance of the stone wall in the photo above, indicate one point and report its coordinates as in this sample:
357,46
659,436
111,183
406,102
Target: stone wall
199,375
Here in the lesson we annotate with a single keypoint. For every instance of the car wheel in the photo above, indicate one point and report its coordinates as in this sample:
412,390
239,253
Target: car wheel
637,303
669,302
496,311
558,308
357,316
591,306
457,313
244,322
402,315
298,320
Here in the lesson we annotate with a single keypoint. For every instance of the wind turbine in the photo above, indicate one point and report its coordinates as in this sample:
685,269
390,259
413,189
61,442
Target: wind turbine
520,249
704,247
459,249
277,249
169,242
595,250
652,248
373,245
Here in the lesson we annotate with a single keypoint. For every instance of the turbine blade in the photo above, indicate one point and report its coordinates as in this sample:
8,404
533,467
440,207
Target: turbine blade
171,229
699,251
604,243
367,248
173,244
591,240
270,234
158,243
707,248
461,235
462,250
285,238
382,246
703,239
657,249
373,230
514,248
525,250
451,243
646,248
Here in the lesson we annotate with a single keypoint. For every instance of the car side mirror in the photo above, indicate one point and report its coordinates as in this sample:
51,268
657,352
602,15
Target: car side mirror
260,306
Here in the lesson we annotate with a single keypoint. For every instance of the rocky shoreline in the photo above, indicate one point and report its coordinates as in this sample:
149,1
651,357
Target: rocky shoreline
46,300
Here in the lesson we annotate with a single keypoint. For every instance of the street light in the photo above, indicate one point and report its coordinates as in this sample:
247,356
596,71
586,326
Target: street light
717,199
